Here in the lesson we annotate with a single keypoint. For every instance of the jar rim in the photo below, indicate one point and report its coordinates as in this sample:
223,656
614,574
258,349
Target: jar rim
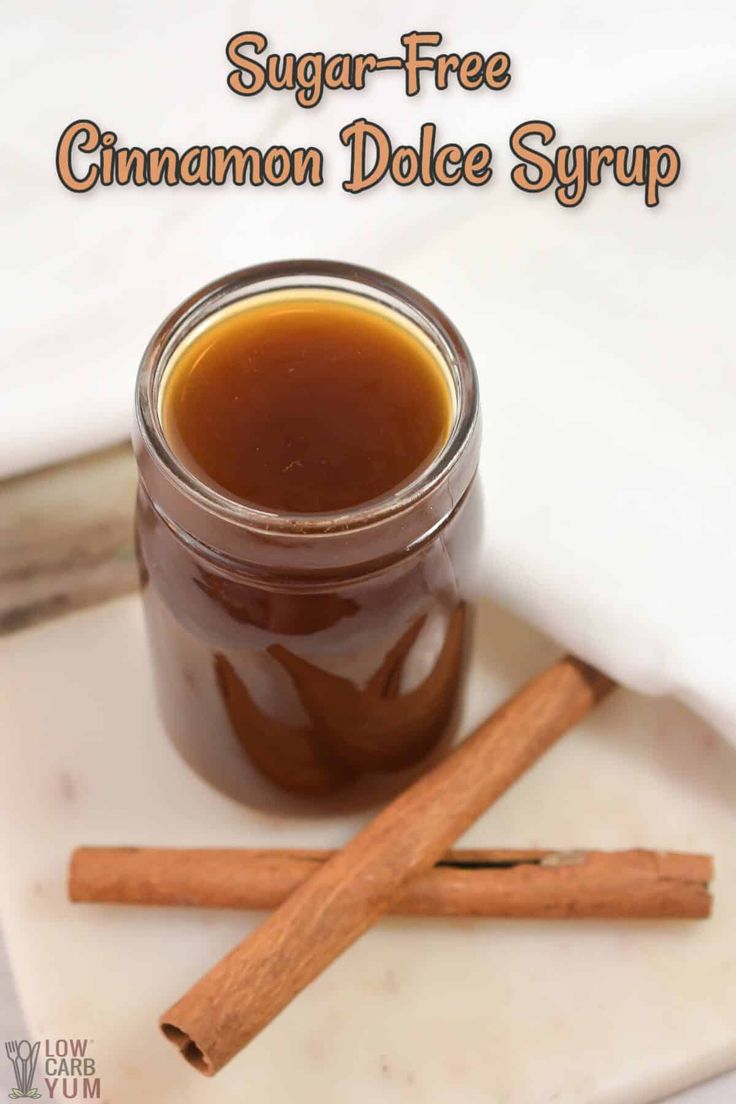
306,274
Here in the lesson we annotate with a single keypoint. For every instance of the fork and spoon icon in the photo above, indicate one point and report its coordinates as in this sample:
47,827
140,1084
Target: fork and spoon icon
23,1058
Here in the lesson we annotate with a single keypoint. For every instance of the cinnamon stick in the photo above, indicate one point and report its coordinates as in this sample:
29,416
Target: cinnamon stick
513,884
232,1003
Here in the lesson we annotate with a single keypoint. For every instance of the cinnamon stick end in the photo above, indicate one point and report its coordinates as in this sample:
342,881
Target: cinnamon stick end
600,685
188,1048
74,892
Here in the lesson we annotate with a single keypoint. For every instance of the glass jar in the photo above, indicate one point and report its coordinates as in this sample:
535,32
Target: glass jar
304,656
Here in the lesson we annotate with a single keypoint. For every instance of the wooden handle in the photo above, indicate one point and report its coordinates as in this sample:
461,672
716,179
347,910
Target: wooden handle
502,883
223,1011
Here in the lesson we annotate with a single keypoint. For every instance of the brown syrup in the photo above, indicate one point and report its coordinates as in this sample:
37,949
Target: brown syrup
306,404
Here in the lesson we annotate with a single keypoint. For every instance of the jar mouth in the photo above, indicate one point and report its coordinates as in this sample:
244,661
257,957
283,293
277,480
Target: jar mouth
307,276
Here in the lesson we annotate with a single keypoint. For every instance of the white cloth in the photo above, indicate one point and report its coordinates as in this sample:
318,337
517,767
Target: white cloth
601,334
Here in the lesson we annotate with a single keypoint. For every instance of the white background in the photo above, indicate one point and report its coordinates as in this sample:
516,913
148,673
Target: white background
602,334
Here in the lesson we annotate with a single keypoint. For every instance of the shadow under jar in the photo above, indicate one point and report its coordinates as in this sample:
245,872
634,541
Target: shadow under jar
307,441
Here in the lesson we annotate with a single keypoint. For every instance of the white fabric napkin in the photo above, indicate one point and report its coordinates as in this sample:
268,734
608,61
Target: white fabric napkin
601,334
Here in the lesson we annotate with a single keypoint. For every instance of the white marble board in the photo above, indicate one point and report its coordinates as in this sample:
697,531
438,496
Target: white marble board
432,1012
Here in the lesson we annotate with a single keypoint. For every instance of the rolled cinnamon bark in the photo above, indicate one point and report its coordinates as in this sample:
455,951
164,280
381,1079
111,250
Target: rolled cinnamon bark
232,1003
531,884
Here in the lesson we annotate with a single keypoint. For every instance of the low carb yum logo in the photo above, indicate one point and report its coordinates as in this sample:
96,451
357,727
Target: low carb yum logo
23,1058
69,1070
66,1070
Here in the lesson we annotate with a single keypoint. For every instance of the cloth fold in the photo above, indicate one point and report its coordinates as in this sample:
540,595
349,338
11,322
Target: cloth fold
601,334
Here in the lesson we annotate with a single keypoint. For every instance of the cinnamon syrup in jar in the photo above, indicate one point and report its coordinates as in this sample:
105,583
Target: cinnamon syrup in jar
307,444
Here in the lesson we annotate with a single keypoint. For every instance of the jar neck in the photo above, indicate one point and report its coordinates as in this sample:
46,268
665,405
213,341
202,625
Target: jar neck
352,553
264,541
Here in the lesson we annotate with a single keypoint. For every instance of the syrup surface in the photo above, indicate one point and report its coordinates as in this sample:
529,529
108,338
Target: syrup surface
306,404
